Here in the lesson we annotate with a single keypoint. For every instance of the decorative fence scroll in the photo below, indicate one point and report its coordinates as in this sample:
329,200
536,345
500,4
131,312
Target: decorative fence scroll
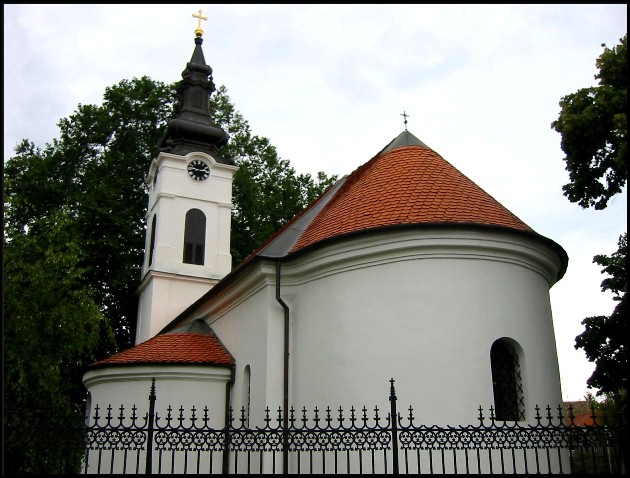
363,441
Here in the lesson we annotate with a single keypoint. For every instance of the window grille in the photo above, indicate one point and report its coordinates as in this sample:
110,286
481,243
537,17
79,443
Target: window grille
506,382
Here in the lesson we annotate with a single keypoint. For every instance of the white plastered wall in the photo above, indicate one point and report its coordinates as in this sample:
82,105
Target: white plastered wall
250,323
130,385
169,285
163,297
422,307
176,386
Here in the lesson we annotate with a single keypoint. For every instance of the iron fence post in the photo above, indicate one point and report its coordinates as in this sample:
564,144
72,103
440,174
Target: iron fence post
149,461
394,420
225,465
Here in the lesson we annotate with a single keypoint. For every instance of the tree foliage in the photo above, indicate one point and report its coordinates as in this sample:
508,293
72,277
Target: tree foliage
95,173
594,129
73,247
52,326
605,339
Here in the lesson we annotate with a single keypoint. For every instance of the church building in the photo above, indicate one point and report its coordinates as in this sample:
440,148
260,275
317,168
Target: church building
404,269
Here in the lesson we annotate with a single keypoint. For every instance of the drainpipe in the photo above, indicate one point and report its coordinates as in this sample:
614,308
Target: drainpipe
285,403
228,424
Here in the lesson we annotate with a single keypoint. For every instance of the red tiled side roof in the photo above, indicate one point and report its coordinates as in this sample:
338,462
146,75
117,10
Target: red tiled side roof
182,348
406,185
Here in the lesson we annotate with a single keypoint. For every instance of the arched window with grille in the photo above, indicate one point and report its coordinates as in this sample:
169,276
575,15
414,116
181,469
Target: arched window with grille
194,237
152,238
507,383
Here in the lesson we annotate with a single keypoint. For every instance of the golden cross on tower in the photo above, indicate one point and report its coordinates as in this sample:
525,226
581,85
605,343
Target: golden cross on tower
405,116
198,30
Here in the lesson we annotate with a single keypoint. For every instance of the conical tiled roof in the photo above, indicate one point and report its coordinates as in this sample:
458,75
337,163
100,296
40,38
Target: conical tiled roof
406,184
197,345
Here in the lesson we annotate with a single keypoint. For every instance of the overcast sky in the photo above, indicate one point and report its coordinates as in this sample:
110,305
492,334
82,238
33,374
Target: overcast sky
327,84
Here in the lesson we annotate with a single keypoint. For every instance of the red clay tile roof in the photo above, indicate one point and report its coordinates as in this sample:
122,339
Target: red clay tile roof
174,349
406,185
582,420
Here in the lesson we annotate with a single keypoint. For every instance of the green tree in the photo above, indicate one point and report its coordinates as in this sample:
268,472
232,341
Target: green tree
73,247
605,339
95,172
52,326
594,127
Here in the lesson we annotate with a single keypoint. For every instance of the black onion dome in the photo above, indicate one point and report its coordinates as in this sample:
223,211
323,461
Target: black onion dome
193,129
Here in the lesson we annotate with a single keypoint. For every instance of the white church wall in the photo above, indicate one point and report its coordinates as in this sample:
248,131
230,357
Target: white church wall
177,386
131,385
176,195
249,322
423,307
163,298
169,285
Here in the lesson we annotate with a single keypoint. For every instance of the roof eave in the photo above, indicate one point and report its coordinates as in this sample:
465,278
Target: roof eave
557,248
97,366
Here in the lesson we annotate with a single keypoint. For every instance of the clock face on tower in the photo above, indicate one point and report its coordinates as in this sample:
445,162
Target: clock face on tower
198,170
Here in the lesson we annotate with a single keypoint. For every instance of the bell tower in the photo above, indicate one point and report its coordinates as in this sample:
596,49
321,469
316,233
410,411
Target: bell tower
187,246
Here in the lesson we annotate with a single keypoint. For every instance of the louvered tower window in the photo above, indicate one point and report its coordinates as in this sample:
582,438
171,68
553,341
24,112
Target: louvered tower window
506,382
152,240
194,237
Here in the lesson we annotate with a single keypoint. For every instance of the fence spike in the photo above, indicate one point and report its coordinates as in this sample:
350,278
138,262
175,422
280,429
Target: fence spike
391,438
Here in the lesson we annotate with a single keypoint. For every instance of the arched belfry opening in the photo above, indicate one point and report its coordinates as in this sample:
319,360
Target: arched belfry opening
152,238
194,237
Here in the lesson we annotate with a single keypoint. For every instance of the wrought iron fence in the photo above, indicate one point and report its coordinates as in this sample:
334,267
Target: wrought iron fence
329,442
